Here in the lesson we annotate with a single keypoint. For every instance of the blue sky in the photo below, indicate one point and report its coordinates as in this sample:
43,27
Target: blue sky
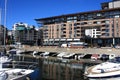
28,10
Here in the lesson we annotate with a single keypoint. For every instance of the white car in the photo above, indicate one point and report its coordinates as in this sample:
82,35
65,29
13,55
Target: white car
64,45
117,47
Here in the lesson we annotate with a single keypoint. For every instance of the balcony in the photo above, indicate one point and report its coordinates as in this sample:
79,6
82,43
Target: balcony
102,32
103,28
63,28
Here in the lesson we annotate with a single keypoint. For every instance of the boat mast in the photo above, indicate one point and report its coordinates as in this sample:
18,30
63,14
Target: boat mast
0,16
0,25
5,22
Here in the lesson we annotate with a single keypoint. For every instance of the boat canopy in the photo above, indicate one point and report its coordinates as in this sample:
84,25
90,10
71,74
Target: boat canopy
115,60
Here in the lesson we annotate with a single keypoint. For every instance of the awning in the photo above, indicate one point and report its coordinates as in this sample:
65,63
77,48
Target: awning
51,39
76,39
63,39
57,39
45,39
69,39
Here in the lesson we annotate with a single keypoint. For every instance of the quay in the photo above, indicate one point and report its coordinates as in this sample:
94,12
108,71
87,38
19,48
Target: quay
105,50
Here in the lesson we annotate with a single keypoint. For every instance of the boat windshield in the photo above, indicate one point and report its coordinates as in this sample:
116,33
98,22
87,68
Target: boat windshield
115,60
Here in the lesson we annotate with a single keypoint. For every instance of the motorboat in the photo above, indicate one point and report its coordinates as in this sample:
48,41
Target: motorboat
16,51
109,69
13,73
4,59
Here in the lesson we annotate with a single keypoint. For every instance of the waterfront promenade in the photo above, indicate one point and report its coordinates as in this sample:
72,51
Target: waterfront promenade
105,50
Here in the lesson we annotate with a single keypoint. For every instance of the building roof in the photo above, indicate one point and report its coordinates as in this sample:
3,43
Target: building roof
80,13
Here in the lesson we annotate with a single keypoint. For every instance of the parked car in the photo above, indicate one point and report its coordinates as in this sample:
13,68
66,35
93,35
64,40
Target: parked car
104,57
64,45
117,46
95,56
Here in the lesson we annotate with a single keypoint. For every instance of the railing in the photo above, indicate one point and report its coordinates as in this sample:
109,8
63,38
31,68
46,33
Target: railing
25,62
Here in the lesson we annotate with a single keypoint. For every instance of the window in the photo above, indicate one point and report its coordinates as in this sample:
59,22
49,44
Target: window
95,22
90,18
111,13
107,21
98,22
116,16
82,23
89,22
82,16
106,34
75,35
112,34
70,25
90,15
107,30
117,12
75,17
75,24
78,34
117,34
107,26
63,24
98,14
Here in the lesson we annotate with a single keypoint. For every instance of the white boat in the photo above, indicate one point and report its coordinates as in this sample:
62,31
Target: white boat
109,69
4,59
16,51
13,73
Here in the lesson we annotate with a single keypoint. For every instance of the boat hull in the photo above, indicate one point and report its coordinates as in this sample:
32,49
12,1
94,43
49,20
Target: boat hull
118,78
112,74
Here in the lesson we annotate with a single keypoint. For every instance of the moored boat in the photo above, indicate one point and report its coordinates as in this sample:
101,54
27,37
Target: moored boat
14,73
109,69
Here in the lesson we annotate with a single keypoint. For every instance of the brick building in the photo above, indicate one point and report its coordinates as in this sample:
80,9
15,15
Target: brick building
98,27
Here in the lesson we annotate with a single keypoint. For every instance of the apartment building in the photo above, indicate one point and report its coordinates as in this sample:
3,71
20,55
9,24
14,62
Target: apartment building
3,34
98,27
25,34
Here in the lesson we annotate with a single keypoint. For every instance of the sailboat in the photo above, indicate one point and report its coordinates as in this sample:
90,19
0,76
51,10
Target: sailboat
11,73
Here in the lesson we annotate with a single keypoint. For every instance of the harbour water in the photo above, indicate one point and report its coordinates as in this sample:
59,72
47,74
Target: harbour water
53,68
58,69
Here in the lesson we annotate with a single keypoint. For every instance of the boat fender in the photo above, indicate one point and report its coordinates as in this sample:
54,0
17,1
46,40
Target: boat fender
27,78
34,54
